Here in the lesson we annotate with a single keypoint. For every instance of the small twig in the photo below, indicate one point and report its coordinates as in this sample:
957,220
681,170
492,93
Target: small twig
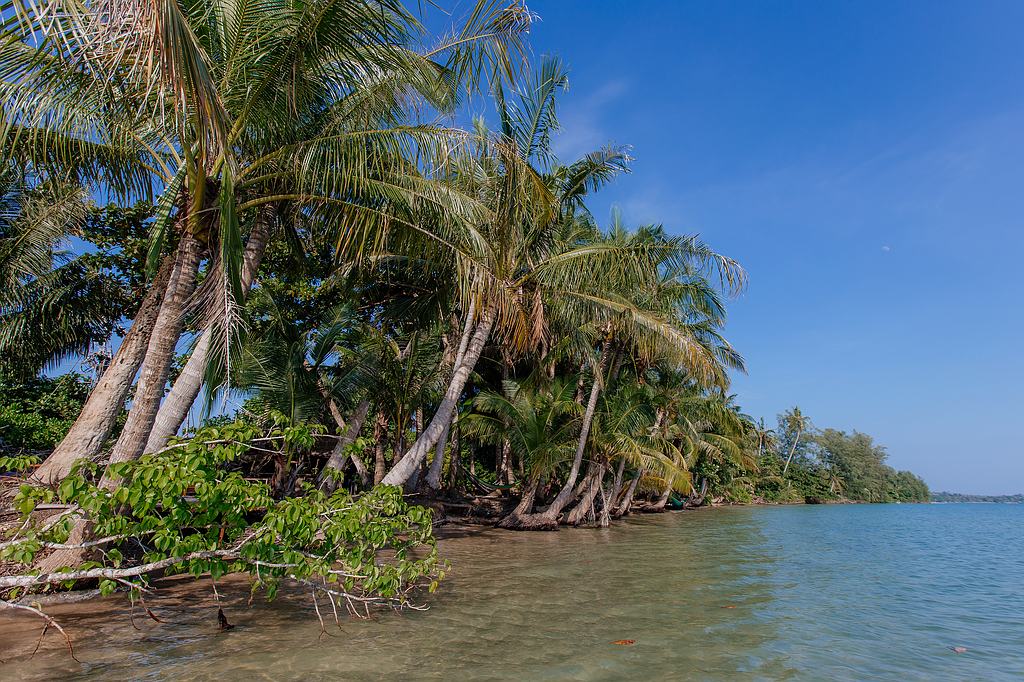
50,622
334,607
316,607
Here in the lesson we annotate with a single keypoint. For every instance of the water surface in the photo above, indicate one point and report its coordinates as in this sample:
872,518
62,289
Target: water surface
840,592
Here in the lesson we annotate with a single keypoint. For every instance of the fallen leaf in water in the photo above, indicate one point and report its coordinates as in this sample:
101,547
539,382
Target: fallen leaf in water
959,649
624,642
730,606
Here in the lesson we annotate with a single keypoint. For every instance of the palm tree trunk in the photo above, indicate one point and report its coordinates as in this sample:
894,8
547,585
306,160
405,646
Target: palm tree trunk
659,505
792,450
455,468
549,517
605,518
585,506
350,432
514,520
182,396
623,508
505,476
106,400
433,479
436,466
617,483
149,390
159,355
565,494
380,429
402,471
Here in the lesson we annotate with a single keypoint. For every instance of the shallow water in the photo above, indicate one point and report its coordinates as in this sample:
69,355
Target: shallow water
839,592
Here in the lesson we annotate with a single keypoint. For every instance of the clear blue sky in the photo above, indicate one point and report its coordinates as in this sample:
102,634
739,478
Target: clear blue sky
865,162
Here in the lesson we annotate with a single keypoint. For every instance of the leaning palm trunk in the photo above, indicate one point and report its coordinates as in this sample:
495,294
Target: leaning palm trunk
403,470
339,457
149,390
514,520
549,517
185,390
585,507
792,450
433,478
159,356
617,483
434,474
106,400
662,500
627,500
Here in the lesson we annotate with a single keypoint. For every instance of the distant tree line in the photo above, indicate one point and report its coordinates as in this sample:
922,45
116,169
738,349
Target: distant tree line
800,463
960,497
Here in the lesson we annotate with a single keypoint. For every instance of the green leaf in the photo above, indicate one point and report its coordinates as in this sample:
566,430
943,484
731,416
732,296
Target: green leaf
158,232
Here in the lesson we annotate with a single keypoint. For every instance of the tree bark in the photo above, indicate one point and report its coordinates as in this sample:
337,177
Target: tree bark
617,483
380,429
792,450
106,400
659,505
550,515
604,519
403,470
627,500
505,476
455,468
183,394
350,432
436,466
585,505
519,518
159,355
433,478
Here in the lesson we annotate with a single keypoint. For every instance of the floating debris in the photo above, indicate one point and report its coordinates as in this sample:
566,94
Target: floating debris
624,642
959,649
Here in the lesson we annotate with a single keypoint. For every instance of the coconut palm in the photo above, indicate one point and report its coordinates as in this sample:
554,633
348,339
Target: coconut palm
764,437
797,423
538,423
224,109
519,271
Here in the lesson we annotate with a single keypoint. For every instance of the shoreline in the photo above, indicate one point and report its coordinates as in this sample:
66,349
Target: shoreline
447,528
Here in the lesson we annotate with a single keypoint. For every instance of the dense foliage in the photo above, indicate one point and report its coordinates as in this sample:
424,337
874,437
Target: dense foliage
36,413
961,497
189,509
835,465
371,304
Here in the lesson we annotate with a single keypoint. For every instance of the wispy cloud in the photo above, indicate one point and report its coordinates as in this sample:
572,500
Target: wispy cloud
582,118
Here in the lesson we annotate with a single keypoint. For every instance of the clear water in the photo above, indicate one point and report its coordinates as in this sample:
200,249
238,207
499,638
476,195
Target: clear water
824,592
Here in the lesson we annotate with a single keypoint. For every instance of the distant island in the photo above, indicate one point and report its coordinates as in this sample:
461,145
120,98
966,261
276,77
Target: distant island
960,497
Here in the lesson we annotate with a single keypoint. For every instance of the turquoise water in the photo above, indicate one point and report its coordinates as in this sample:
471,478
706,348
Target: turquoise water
804,593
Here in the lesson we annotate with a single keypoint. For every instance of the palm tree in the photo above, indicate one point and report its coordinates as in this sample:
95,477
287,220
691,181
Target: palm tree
538,423
764,437
507,261
797,423
225,109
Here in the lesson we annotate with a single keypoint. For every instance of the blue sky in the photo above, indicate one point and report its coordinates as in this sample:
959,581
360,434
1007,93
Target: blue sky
863,160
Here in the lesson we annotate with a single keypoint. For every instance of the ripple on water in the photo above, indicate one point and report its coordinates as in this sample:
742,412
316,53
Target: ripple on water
837,592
